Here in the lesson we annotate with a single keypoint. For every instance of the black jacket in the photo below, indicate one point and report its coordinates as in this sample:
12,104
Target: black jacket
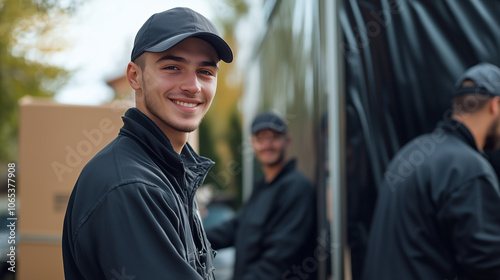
438,212
132,213
273,234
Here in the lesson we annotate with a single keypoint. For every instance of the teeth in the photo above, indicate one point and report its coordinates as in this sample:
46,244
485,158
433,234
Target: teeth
185,104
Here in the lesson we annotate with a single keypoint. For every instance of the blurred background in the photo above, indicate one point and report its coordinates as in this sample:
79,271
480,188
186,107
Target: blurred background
355,79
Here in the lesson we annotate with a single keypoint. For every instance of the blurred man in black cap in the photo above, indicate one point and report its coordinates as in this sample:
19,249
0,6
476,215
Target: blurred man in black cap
273,234
438,210
133,213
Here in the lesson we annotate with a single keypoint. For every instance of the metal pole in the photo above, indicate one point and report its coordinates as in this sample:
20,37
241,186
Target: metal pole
334,83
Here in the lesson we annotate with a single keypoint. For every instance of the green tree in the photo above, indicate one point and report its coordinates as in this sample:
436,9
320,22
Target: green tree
206,145
235,142
25,27
221,131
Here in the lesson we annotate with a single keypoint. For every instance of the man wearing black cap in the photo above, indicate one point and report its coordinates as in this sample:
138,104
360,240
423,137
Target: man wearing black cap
132,213
438,210
273,234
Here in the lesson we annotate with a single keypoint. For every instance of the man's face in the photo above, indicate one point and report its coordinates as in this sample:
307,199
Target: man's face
269,146
178,85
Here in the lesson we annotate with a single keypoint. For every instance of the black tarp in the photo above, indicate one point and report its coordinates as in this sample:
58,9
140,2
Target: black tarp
402,58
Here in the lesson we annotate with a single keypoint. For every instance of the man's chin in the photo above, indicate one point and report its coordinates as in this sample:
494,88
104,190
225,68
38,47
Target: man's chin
271,162
187,127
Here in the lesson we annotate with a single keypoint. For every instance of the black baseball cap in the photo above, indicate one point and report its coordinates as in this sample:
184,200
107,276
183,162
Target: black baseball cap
486,79
166,29
269,120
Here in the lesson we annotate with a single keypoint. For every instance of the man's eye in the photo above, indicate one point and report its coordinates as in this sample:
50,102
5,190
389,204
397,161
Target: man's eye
205,72
170,68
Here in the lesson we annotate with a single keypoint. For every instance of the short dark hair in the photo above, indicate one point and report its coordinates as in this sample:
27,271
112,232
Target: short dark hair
469,103
141,61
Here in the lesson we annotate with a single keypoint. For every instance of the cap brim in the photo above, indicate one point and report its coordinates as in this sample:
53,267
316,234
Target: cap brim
223,50
272,126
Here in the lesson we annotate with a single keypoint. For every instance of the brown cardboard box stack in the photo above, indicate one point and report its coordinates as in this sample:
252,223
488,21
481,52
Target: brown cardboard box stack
55,142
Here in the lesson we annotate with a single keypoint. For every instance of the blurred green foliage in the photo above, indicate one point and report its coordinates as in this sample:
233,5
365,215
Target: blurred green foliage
221,131
25,26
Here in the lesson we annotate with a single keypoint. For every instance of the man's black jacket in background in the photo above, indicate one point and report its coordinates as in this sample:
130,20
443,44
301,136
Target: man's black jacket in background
274,233
438,212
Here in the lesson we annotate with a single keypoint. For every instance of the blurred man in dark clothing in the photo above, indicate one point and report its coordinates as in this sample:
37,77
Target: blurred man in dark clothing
274,233
438,210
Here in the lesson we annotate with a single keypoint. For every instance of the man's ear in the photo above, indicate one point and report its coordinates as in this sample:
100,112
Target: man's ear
495,105
288,140
133,75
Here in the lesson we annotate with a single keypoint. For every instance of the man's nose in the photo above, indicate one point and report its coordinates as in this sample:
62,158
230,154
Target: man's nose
190,83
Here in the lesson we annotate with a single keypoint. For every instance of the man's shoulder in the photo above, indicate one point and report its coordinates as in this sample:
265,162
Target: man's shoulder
121,163
119,170
121,159
296,180
99,205
434,145
447,154
299,176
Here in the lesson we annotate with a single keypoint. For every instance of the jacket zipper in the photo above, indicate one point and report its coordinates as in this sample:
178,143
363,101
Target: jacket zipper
201,252
196,185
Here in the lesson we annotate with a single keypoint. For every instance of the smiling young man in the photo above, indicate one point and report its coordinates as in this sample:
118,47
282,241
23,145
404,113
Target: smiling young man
274,233
133,213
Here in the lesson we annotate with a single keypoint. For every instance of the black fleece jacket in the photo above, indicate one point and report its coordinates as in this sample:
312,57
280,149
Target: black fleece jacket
274,233
438,212
133,214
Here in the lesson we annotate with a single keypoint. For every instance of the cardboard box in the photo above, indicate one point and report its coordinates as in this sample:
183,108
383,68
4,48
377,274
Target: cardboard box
55,142
40,260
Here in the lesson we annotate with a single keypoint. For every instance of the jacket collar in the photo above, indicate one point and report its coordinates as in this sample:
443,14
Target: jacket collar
459,130
289,166
142,129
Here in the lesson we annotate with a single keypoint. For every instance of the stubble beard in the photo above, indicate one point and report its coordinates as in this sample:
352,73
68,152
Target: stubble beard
279,159
492,141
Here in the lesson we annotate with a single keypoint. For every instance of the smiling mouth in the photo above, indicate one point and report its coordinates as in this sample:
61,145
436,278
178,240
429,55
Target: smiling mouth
185,104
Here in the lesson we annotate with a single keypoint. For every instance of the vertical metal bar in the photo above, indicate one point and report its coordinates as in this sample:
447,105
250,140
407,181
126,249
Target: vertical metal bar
247,150
334,86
